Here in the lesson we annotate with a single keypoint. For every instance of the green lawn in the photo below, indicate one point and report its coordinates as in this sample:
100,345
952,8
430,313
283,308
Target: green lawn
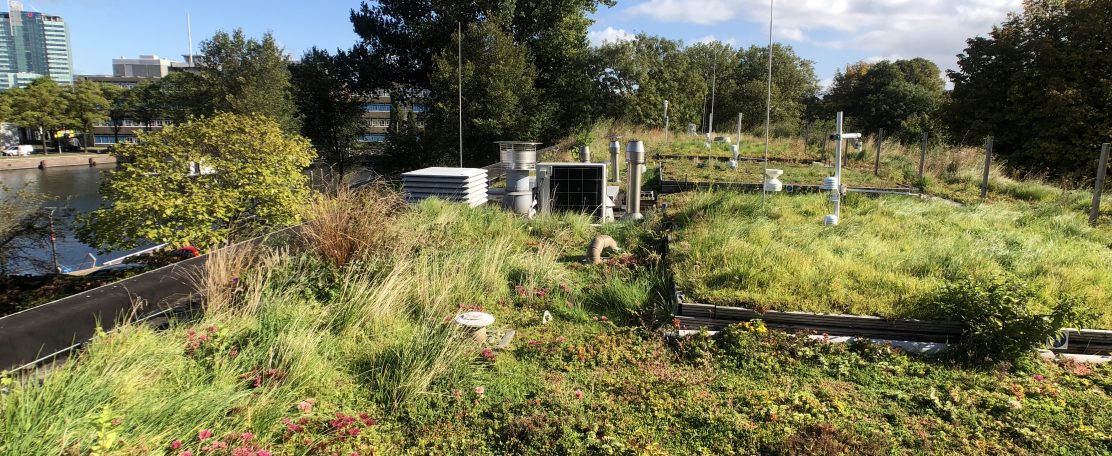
328,351
885,257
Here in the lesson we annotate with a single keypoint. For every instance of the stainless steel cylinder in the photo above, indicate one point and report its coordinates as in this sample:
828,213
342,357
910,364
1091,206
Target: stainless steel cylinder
615,164
635,156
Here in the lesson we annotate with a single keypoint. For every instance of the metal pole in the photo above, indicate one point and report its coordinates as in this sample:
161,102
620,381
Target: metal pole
1098,188
768,99
988,161
879,144
838,170
459,75
923,158
53,240
713,83
665,121
739,116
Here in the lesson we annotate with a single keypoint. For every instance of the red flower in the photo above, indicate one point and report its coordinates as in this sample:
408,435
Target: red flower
204,434
175,444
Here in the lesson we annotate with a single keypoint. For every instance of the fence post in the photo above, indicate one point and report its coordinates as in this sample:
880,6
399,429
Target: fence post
1098,188
988,161
879,142
923,157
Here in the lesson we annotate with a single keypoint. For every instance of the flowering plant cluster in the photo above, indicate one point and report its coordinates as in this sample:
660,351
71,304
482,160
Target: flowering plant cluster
306,432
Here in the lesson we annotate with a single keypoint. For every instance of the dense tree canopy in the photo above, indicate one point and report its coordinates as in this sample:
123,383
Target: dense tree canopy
400,41
331,109
252,177
903,97
498,105
1040,84
636,76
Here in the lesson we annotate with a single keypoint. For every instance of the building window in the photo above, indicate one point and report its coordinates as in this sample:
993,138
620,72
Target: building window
111,139
376,107
383,123
418,108
372,138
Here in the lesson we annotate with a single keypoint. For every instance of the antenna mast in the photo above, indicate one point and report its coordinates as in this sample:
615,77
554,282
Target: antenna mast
189,32
459,75
768,101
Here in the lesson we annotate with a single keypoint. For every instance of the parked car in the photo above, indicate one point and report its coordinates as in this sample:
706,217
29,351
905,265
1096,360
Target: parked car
22,150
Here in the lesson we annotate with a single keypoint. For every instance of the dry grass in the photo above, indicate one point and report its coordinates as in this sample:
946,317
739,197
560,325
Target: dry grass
351,224
218,280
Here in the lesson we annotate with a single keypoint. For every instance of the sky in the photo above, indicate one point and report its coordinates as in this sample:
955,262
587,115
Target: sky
831,33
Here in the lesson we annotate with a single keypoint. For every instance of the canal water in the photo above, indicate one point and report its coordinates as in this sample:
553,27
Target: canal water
75,188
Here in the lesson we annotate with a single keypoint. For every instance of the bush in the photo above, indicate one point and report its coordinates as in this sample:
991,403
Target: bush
996,317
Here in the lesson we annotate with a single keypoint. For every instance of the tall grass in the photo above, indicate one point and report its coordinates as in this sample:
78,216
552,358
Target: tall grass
885,256
358,322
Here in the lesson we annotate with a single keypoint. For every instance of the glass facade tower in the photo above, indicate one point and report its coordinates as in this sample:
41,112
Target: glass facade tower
33,45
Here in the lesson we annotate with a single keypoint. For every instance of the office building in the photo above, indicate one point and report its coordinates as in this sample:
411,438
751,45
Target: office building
146,66
33,45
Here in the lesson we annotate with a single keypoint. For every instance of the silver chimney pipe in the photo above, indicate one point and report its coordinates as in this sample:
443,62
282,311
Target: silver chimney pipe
615,165
585,154
518,158
635,155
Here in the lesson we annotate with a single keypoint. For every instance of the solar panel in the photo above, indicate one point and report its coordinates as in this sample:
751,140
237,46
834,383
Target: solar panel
572,187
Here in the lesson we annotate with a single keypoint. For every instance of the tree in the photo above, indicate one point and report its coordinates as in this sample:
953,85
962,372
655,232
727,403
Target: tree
1039,84
146,103
118,109
635,77
41,104
24,231
794,84
86,107
256,181
399,40
902,96
498,105
332,110
241,76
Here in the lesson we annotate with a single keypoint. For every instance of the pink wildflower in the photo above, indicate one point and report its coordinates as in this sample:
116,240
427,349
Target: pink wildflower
579,394
603,318
186,453
305,407
1039,377
488,354
262,453
175,444
246,436
480,390
204,434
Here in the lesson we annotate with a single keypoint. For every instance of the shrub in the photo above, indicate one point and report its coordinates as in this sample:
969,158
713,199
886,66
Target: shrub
997,319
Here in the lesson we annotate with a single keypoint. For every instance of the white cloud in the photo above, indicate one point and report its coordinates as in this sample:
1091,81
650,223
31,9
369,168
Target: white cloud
934,29
608,35
711,38
789,33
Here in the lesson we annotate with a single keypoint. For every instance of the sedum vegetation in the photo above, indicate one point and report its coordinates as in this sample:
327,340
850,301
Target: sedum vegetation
339,343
